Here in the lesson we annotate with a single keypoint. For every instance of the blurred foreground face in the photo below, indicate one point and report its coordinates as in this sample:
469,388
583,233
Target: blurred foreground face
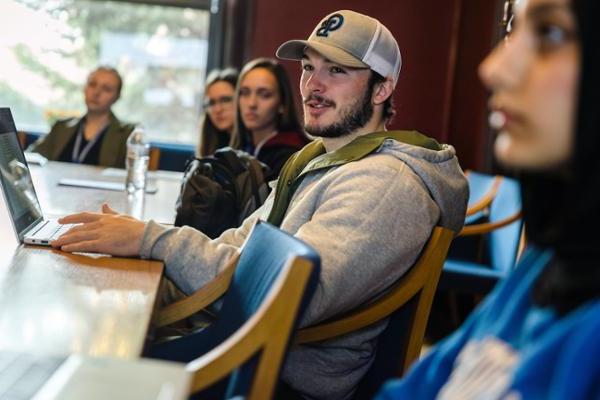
219,105
101,91
260,102
533,77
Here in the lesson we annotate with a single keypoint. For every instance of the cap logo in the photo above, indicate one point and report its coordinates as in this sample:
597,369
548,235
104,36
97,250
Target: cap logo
332,23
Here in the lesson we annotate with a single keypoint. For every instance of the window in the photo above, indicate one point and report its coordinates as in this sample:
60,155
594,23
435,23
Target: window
48,47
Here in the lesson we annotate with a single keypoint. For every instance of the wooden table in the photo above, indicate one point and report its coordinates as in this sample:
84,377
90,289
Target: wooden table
59,303
57,200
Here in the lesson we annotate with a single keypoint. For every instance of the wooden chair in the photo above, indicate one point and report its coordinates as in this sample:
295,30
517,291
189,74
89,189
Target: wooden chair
489,246
483,253
154,159
22,136
275,276
267,334
407,303
482,191
197,301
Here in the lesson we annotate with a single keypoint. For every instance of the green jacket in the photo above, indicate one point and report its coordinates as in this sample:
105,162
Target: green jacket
113,148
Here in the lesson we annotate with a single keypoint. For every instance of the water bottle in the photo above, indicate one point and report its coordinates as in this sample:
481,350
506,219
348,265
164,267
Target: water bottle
138,155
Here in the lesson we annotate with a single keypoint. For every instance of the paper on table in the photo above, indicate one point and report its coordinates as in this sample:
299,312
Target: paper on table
120,173
105,185
35,158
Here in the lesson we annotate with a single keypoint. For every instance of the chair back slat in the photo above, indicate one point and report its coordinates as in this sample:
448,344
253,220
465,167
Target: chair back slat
262,258
273,282
504,242
154,160
256,351
487,247
482,191
407,305
499,223
22,137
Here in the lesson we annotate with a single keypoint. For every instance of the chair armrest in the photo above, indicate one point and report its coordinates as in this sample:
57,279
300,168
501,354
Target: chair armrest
487,198
478,229
198,300
265,333
349,323
426,271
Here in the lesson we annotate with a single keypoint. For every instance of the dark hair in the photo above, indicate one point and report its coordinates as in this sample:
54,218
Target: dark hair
106,68
209,134
287,121
389,110
562,209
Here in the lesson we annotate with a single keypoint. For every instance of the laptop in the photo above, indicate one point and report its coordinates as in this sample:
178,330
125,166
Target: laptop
75,377
17,189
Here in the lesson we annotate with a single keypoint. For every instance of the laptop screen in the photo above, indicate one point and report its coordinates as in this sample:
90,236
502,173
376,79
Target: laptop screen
15,178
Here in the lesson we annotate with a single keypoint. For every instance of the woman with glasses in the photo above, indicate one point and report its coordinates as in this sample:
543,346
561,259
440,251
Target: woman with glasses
536,335
267,124
219,111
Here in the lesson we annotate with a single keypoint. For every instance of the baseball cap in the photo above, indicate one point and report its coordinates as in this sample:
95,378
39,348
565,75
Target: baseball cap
350,39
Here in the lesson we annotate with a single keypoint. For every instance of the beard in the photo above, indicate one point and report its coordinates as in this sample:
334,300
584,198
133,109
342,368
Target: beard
353,117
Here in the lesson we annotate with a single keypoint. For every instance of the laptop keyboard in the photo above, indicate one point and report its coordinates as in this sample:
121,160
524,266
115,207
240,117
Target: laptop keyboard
50,230
22,374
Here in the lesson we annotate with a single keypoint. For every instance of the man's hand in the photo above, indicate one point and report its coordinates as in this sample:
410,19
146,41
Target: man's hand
106,232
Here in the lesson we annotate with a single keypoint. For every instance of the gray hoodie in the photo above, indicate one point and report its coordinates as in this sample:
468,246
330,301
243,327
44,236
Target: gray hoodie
368,220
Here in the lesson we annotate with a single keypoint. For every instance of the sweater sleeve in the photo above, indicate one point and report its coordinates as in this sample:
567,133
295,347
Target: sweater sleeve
191,258
46,144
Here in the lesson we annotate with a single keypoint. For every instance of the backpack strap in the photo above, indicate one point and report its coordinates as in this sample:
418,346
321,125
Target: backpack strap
289,176
313,157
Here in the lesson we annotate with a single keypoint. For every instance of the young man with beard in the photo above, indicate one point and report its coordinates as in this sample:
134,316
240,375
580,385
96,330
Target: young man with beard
366,199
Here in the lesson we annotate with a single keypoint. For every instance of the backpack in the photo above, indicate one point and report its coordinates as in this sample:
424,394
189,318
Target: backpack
218,192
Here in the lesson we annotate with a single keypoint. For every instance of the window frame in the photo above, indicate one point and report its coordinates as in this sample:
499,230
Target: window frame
216,38
215,28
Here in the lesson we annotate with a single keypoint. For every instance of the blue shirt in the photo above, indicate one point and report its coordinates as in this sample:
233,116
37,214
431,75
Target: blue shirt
544,356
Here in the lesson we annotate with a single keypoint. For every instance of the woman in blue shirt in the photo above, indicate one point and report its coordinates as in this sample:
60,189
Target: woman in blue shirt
536,335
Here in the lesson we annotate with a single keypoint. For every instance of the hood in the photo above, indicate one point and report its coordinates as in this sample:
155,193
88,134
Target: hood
442,175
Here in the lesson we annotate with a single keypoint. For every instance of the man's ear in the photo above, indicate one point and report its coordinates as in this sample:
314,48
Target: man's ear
383,90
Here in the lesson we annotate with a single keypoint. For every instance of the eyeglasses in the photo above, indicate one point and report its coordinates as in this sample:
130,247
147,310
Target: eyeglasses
210,103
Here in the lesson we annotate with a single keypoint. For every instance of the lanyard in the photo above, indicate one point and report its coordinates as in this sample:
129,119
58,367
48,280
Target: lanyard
77,156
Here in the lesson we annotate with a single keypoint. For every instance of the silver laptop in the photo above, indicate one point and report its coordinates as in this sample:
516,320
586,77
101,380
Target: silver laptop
27,376
17,188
